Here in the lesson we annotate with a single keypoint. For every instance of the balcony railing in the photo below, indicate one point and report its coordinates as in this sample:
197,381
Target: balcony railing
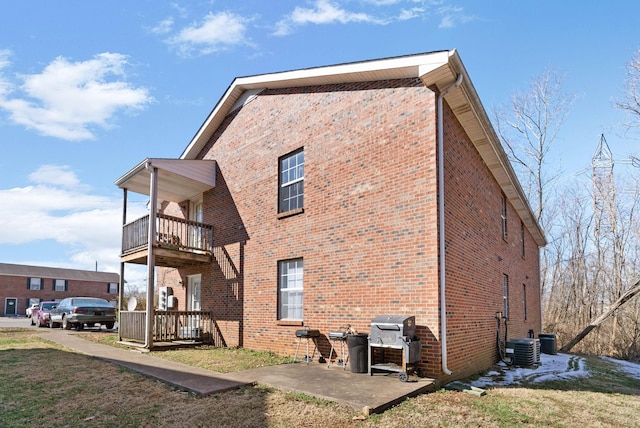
171,232
171,326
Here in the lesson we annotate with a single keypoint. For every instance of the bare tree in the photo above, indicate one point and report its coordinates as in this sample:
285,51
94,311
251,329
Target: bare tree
631,100
627,296
529,129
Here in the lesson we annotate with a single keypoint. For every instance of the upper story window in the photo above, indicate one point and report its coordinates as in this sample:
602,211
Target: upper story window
291,182
112,288
34,284
503,216
60,285
290,289
522,246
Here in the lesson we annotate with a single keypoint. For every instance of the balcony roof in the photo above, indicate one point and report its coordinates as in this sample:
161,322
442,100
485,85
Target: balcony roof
178,179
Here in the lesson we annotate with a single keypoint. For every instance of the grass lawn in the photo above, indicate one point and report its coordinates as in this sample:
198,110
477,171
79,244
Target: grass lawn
45,384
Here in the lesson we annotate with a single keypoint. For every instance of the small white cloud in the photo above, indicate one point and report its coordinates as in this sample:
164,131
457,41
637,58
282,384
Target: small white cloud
55,175
323,12
216,32
5,58
68,98
86,225
163,27
451,16
407,14
383,2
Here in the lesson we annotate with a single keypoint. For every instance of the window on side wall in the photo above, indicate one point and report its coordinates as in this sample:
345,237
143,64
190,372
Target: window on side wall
524,300
522,239
112,288
505,294
291,182
290,289
34,284
503,216
59,285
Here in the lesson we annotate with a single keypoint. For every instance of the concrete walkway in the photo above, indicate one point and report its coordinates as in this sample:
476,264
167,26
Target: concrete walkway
369,394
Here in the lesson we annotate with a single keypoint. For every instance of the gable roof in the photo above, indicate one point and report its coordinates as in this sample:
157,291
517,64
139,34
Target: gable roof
439,69
7,269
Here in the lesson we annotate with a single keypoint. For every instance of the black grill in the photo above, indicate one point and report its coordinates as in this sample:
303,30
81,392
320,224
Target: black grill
394,332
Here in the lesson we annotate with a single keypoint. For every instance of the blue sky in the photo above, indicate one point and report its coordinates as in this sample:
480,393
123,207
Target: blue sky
89,89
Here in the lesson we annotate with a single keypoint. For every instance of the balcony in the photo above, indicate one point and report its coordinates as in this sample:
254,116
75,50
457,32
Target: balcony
178,242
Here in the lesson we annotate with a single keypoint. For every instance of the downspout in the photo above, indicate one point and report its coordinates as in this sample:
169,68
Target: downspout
153,211
441,243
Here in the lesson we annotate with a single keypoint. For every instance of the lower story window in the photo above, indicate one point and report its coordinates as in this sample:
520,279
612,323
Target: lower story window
290,289
505,294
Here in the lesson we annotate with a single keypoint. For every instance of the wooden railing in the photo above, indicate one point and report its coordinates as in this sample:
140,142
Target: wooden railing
171,326
131,325
171,232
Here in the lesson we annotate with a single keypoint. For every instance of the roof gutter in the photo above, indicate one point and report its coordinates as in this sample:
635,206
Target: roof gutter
441,243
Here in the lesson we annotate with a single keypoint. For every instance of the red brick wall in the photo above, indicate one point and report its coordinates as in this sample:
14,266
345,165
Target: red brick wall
477,257
368,233
365,236
16,287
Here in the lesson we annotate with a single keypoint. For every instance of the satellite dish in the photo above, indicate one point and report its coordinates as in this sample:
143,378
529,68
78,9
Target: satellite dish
132,303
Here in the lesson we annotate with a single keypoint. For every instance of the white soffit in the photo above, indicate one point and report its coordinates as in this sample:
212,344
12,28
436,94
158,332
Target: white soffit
468,109
178,179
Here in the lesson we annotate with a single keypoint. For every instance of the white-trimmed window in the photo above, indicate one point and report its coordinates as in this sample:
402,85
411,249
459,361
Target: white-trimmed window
505,294
34,284
290,289
112,288
59,285
291,182
522,244
524,300
503,216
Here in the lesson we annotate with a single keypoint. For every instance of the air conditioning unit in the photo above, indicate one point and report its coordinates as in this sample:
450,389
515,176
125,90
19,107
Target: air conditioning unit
524,352
172,302
163,298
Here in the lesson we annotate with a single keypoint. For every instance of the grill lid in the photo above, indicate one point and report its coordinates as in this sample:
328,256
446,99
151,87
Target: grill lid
393,319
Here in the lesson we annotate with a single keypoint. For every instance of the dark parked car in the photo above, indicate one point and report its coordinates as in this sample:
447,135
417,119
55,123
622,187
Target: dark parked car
78,311
40,315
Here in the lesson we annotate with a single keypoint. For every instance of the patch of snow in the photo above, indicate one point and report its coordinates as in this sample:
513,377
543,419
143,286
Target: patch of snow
628,367
552,367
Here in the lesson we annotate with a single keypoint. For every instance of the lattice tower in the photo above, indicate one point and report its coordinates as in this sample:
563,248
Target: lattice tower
603,186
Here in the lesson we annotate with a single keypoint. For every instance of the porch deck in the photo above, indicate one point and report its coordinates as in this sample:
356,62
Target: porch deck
171,328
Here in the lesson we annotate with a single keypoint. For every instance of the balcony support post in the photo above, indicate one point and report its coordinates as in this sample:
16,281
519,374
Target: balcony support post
121,285
153,212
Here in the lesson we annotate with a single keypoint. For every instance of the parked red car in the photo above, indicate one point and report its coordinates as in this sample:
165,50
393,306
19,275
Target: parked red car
40,315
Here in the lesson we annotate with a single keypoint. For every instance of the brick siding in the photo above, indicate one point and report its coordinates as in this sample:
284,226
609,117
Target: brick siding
16,287
368,234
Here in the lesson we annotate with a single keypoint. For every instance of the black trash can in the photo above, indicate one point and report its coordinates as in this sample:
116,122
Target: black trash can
358,345
548,344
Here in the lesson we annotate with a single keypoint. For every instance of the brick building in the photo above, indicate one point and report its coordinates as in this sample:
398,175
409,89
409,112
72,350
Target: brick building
22,285
328,196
